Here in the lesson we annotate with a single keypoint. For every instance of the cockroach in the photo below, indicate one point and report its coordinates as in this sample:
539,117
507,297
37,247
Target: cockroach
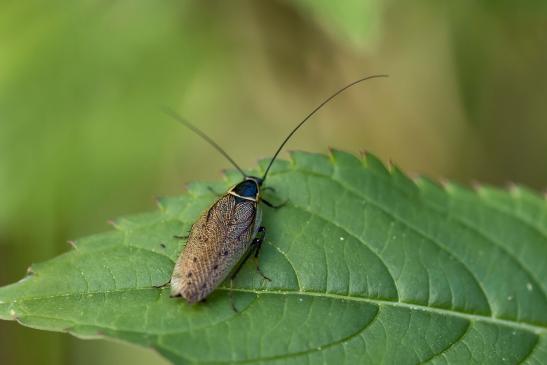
229,231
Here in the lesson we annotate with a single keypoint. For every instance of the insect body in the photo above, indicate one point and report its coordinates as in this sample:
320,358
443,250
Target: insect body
229,231
218,241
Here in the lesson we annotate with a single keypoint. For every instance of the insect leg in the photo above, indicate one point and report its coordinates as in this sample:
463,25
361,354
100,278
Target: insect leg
268,188
181,237
234,276
241,264
231,295
274,206
163,286
257,243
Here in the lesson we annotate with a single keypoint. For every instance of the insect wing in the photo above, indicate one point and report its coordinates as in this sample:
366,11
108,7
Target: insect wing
217,241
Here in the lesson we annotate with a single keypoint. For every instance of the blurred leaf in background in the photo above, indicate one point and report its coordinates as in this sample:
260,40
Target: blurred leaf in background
358,21
499,60
82,138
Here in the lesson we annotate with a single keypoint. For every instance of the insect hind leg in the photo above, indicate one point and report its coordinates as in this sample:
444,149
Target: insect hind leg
231,295
233,276
162,286
257,243
273,205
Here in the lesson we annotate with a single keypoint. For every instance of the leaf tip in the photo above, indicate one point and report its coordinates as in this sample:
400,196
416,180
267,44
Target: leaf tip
412,175
511,185
292,158
476,186
444,182
514,189
423,181
158,200
393,168
362,154
114,223
332,154
187,188
332,150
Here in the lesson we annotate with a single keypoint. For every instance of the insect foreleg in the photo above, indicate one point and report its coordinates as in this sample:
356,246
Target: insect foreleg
272,205
183,237
163,286
257,244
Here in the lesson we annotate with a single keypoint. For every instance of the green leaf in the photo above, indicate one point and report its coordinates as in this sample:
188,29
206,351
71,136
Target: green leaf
367,266
353,21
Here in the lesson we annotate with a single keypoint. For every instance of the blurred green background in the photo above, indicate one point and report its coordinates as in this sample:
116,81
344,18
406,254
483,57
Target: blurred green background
82,137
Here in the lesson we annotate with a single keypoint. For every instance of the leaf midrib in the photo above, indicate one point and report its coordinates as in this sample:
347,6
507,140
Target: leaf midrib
536,329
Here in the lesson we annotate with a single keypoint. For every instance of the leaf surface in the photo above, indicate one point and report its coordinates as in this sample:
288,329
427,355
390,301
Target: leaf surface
367,266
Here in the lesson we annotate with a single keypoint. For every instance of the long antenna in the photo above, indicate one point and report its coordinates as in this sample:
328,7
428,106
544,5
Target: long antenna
310,115
197,131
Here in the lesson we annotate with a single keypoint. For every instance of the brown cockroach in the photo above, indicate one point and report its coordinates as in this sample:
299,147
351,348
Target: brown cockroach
229,231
